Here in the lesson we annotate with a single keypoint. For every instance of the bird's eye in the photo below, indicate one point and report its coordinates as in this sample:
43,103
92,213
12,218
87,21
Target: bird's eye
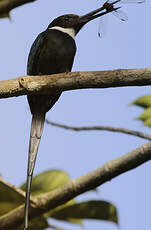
66,18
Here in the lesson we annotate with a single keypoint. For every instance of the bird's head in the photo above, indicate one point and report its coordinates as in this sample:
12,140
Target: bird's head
72,23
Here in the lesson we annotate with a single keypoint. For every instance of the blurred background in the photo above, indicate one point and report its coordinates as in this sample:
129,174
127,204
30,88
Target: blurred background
123,45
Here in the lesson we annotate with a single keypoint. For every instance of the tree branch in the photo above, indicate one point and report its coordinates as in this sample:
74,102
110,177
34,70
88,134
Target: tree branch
75,80
101,128
16,189
7,5
78,186
12,187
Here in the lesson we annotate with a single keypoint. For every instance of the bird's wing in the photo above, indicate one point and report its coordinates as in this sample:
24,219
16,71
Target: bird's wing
34,54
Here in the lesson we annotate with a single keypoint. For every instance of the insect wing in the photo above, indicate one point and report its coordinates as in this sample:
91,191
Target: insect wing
132,1
102,26
120,14
127,1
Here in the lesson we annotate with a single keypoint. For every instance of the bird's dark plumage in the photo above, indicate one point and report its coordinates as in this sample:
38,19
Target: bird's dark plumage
52,52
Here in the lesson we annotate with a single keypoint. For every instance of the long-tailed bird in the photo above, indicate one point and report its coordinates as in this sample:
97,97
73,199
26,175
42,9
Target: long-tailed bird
52,52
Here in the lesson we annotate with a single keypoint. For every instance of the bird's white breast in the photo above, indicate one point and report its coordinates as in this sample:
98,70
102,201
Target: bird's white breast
69,31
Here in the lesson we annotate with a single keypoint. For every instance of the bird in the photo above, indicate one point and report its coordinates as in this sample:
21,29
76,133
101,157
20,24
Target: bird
52,52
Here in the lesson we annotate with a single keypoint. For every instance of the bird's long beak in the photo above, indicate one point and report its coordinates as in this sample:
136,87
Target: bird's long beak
96,13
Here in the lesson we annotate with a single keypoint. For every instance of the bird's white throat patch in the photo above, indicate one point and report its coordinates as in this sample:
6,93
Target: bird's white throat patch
69,31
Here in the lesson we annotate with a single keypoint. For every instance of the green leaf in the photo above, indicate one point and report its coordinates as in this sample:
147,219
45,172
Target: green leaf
61,207
96,209
146,115
148,122
9,199
144,101
48,181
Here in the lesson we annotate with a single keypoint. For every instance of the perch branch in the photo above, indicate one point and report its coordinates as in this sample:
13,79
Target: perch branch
74,80
101,128
78,186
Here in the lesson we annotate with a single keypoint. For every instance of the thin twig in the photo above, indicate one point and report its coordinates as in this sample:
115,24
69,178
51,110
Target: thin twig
59,196
101,128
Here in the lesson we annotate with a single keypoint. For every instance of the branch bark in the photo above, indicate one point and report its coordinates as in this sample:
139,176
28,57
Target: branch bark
16,189
12,187
75,80
78,186
7,5
101,128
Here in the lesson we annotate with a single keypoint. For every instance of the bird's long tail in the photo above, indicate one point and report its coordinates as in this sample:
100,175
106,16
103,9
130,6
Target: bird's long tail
37,125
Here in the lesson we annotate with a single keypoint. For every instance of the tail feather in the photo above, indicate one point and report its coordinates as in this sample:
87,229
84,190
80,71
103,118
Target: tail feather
37,125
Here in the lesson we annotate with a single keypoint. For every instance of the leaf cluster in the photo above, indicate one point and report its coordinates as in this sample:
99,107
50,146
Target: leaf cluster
145,103
71,212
